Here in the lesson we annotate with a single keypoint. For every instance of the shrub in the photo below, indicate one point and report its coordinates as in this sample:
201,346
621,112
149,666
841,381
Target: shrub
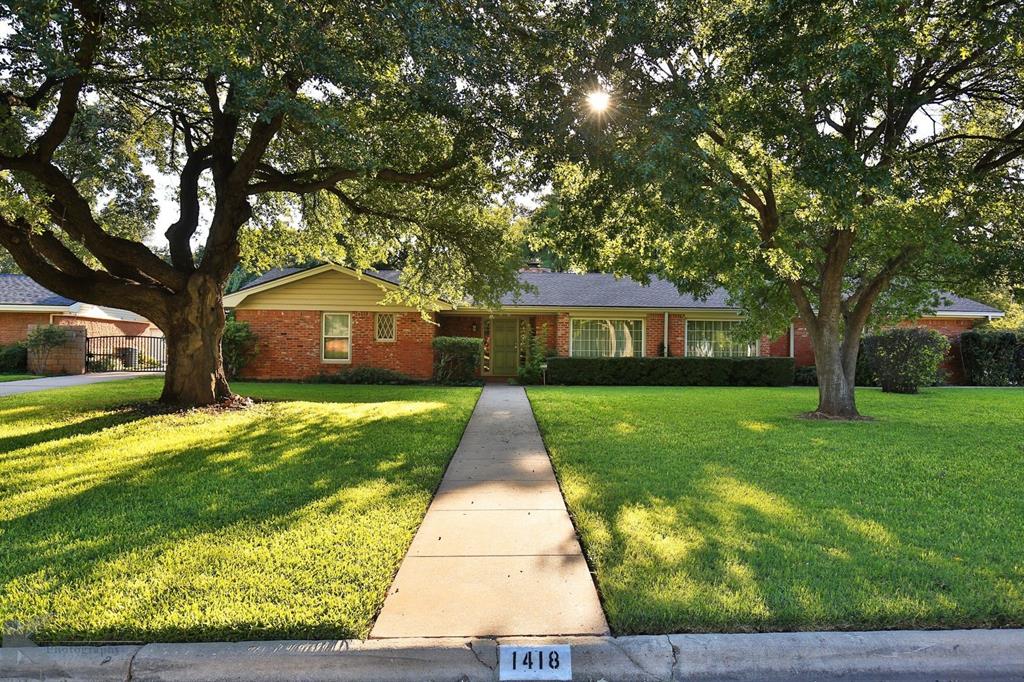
531,371
238,346
365,375
456,359
992,358
671,371
103,363
14,358
806,376
906,359
44,339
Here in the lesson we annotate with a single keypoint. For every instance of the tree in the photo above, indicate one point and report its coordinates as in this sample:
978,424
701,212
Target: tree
838,161
337,130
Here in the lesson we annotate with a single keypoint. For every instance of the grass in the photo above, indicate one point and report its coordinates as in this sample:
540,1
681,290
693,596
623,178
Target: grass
287,520
16,377
705,509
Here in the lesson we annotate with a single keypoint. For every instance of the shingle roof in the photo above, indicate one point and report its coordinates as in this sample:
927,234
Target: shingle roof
599,290
22,290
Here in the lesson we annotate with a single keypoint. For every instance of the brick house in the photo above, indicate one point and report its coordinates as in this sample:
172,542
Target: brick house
328,318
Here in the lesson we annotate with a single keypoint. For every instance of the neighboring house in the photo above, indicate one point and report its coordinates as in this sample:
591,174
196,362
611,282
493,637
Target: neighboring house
327,318
24,303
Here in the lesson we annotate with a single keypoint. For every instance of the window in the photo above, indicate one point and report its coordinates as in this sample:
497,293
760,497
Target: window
607,338
384,327
337,345
716,338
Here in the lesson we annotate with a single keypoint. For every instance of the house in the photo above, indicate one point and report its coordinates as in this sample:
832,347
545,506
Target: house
24,304
327,318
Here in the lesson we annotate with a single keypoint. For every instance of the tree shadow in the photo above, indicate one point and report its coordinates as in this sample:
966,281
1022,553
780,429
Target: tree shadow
131,552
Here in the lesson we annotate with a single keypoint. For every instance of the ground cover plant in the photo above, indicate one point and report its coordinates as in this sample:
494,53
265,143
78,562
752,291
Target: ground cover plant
285,520
717,509
16,377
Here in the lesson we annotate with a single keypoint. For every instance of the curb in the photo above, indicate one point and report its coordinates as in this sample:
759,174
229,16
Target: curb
889,655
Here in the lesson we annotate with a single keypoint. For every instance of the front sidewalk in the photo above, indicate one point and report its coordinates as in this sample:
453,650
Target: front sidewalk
804,656
496,554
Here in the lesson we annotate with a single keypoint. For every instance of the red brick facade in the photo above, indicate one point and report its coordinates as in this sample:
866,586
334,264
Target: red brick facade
289,341
14,326
289,344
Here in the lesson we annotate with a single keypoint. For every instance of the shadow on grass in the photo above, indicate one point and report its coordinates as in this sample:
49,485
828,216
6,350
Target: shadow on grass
271,469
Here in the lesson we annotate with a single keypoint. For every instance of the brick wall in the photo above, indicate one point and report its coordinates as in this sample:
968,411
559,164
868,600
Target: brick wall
14,326
67,359
950,327
460,325
288,345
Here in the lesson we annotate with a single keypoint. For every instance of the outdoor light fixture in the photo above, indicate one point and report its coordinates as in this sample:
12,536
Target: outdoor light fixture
598,101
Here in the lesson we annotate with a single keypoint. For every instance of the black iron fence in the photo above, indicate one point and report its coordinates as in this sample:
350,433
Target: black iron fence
125,354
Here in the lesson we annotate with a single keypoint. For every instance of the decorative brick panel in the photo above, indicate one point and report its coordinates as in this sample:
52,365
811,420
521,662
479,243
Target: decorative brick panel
288,345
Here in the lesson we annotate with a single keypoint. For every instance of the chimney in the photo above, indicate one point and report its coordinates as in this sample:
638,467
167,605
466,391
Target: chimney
534,265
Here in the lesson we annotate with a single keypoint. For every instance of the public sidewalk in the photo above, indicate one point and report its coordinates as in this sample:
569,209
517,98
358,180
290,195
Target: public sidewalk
497,553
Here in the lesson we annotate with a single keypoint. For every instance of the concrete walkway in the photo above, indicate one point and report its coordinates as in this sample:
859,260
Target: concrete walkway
46,383
497,554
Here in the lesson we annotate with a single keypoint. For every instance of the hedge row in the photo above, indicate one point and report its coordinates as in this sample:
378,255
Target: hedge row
993,358
671,371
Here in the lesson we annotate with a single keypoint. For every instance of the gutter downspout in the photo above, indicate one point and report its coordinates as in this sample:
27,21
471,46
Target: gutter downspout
664,334
792,346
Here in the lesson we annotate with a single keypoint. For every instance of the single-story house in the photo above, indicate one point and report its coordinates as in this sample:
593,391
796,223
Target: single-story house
327,318
24,304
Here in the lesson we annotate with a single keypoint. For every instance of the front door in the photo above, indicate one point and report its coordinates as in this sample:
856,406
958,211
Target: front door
504,347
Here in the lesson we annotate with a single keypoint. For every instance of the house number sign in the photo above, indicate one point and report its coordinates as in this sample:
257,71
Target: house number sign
535,662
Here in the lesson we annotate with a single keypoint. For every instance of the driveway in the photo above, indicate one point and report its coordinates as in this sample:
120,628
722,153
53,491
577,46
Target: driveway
46,383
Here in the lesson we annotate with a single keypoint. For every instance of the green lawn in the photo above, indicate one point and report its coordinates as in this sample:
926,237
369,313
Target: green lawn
16,377
710,509
287,520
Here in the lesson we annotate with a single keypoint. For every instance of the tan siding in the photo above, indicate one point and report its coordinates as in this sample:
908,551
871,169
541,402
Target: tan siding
327,291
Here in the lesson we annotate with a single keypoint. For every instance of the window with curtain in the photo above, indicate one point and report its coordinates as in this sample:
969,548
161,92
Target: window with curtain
337,341
716,338
607,338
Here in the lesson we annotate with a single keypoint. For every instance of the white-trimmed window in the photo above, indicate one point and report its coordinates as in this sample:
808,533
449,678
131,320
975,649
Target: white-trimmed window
716,339
385,327
337,337
606,338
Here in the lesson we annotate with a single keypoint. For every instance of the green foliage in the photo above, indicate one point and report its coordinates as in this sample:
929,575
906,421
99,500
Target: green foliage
993,358
714,510
906,359
103,363
531,369
805,376
14,358
47,337
238,346
457,359
671,371
305,504
365,375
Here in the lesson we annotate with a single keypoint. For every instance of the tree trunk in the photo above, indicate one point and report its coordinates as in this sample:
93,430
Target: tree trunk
195,369
836,361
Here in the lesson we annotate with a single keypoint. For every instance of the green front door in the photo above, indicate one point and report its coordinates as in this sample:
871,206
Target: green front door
504,347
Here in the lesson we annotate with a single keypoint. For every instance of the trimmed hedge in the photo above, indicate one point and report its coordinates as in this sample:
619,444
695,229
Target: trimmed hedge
457,358
365,375
906,359
14,358
993,358
671,371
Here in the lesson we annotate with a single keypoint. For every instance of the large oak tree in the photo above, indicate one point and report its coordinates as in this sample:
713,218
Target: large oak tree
840,161
335,129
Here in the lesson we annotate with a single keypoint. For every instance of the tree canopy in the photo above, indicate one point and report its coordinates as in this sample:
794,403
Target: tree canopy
335,130
838,161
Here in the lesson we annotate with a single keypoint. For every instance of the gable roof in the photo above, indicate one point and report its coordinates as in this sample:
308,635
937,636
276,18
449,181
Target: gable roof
23,290
601,290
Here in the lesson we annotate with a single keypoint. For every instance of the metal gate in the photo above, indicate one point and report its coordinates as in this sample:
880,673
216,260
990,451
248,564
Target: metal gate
125,354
